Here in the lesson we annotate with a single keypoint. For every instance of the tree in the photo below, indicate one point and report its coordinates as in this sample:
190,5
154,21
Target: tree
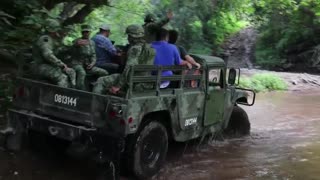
22,20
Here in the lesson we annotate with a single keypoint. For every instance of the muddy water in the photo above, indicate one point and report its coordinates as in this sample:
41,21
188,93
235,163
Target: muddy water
284,144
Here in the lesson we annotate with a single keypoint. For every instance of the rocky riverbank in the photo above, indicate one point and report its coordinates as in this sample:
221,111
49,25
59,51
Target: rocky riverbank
295,81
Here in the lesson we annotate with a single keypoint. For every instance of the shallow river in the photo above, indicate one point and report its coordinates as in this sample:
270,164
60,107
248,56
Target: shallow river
284,144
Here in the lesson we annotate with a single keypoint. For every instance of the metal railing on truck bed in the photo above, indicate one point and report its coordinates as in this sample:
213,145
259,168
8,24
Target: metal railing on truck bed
181,78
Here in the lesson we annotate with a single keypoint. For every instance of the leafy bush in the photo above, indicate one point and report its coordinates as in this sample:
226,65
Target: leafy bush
264,82
288,27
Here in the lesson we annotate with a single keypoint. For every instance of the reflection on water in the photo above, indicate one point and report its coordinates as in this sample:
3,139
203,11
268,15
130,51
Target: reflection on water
284,144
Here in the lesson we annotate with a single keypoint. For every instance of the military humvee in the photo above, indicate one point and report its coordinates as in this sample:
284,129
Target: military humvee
139,124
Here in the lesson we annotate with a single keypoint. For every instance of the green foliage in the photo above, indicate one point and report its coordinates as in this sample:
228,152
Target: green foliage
264,82
119,16
267,57
288,26
204,25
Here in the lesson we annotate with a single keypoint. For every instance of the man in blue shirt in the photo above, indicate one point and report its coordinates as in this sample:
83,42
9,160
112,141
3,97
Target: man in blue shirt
166,54
105,51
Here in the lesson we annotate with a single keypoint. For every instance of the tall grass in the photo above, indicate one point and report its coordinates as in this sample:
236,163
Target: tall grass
264,82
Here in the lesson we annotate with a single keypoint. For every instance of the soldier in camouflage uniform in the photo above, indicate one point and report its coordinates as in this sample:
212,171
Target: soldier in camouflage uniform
139,52
84,58
151,26
46,64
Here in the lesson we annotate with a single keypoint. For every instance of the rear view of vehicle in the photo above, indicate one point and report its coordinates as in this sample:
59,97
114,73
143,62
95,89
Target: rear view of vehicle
74,116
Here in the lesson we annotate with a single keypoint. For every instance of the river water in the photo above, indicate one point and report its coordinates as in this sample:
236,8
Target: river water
284,144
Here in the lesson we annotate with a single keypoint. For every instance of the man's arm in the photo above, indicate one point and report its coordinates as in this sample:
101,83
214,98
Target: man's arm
45,45
108,46
133,57
192,61
178,61
165,20
93,58
188,58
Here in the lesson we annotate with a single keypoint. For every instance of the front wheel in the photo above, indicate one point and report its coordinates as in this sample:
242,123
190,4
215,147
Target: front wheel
150,150
239,124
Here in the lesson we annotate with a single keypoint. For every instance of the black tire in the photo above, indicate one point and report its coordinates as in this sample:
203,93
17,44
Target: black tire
149,150
239,124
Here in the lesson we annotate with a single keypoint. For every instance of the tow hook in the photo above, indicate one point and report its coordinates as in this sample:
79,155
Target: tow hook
53,130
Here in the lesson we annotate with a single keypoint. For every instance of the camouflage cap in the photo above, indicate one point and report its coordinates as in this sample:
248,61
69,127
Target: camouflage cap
135,30
52,25
150,18
85,27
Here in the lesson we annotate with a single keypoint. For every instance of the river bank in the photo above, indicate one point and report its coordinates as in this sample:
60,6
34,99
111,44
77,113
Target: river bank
295,81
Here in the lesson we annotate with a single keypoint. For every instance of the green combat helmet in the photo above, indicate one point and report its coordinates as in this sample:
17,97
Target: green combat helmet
150,18
135,31
52,25
85,27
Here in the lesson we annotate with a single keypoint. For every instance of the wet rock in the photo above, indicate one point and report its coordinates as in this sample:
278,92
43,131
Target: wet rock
294,82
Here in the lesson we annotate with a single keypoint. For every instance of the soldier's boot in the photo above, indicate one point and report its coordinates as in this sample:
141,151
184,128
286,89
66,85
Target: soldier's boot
72,77
63,81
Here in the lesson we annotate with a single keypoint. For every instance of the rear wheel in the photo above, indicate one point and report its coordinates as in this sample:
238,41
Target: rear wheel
239,124
149,150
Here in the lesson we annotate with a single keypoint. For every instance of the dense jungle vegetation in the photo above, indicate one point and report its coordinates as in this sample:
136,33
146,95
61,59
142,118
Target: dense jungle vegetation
288,30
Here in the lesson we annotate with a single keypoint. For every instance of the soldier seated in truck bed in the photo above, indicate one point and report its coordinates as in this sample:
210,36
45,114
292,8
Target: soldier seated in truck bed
139,52
46,64
84,58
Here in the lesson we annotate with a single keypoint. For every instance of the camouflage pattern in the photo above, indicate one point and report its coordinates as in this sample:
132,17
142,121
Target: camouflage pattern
81,76
83,56
135,31
47,65
138,53
120,80
151,28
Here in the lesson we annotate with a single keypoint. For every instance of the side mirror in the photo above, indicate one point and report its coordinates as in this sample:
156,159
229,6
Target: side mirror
232,76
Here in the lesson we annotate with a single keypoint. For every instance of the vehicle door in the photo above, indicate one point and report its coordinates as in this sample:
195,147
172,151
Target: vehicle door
215,95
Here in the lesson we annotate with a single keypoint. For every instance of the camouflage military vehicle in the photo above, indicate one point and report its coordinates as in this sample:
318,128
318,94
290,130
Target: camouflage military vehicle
139,123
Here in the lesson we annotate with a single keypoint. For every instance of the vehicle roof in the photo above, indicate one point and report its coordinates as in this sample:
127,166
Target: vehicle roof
212,60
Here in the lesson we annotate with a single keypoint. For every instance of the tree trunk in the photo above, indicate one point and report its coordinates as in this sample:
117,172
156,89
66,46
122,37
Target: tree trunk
80,16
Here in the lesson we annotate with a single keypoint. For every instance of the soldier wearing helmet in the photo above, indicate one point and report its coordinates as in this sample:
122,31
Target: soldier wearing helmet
46,64
139,52
84,58
151,25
